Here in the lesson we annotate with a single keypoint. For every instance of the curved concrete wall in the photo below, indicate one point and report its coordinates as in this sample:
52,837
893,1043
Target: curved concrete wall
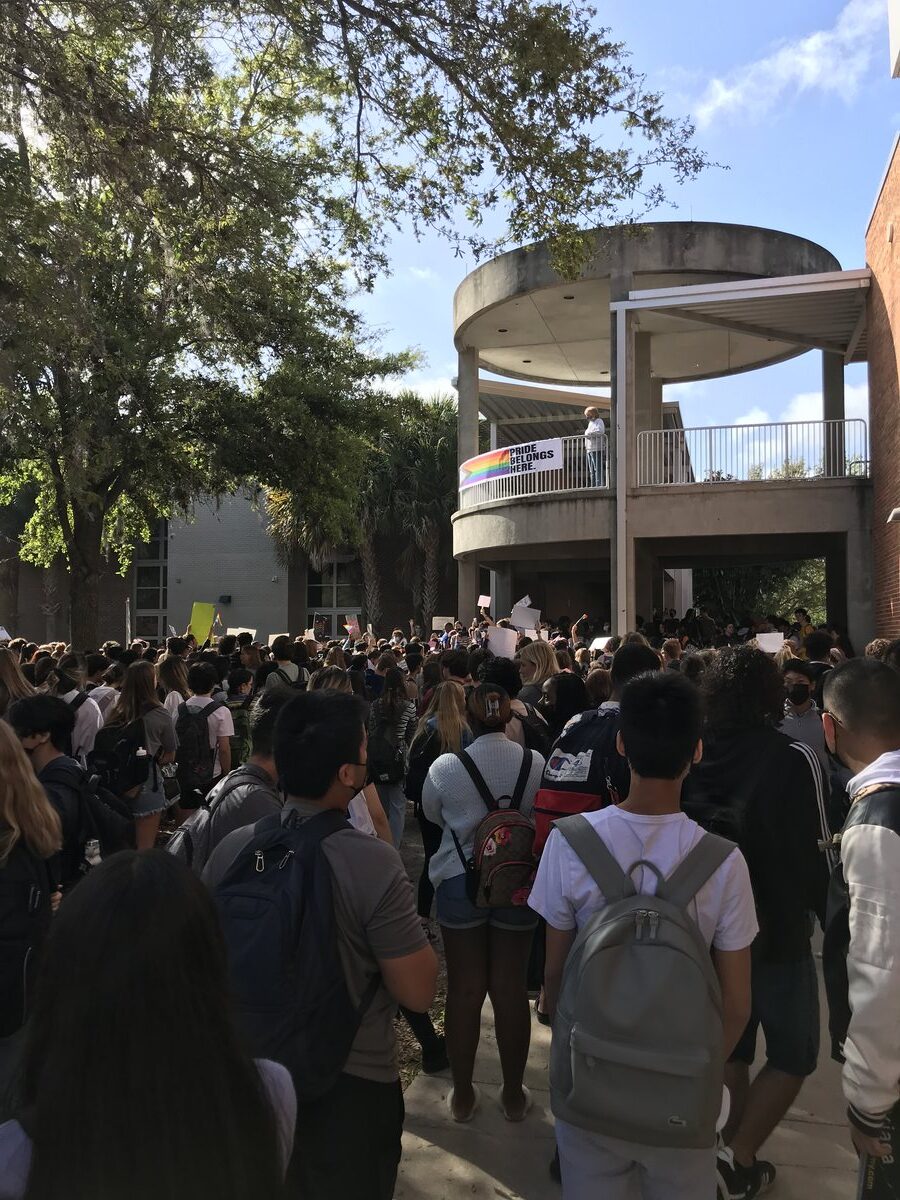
548,526
677,247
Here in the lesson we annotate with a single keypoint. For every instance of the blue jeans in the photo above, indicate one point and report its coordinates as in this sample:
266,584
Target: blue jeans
393,801
595,469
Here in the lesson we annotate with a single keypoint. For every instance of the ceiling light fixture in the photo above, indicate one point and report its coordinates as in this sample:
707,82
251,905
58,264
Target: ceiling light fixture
503,331
568,297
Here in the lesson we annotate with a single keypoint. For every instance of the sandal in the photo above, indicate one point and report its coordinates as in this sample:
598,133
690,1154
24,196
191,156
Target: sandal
474,1109
525,1111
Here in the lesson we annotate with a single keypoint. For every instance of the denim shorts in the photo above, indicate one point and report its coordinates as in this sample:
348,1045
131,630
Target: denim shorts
786,1005
456,911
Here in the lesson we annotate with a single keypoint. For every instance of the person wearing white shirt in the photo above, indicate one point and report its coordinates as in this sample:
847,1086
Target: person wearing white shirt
594,442
661,722
88,720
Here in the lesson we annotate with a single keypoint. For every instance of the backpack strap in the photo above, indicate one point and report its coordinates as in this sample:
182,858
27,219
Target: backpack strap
478,779
522,781
593,852
695,869
213,706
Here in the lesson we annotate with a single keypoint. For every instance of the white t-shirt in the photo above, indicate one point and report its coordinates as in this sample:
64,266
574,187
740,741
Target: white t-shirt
220,725
593,435
566,895
88,723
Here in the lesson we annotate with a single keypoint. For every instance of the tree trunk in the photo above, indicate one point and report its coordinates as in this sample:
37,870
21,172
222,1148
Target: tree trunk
371,580
85,563
9,587
431,578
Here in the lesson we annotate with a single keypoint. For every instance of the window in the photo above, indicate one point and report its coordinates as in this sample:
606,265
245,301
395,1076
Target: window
151,583
333,594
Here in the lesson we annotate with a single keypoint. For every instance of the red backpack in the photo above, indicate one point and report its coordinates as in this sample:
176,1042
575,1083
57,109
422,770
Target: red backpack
501,870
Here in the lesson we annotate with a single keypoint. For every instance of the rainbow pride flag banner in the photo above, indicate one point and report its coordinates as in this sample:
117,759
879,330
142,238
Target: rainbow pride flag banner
523,459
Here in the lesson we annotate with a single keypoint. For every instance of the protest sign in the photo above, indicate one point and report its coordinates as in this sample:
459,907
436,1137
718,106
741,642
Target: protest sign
438,623
770,643
201,620
525,618
525,602
525,459
502,642
235,630
484,602
273,636
5,635
600,643
351,624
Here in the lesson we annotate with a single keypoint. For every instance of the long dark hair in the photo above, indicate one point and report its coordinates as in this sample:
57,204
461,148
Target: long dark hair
138,695
393,696
133,1074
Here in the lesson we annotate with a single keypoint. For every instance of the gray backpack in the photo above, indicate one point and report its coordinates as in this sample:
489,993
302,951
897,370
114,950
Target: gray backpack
637,1048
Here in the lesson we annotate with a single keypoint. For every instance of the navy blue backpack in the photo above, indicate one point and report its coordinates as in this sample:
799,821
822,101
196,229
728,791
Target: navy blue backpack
276,908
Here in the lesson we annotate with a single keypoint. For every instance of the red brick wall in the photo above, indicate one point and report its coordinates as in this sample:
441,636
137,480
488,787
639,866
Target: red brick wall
883,258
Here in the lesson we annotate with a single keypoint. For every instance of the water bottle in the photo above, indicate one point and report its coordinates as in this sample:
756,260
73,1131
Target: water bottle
92,852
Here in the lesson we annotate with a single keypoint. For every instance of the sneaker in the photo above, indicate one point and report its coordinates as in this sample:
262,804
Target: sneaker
765,1172
733,1181
435,1059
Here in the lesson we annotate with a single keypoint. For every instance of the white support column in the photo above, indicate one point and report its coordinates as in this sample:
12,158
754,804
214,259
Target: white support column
467,408
623,614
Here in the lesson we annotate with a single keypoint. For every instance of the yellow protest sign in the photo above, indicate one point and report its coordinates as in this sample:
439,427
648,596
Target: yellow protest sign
201,620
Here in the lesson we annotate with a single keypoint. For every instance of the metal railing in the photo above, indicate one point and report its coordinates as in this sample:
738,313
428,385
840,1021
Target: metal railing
575,474
753,453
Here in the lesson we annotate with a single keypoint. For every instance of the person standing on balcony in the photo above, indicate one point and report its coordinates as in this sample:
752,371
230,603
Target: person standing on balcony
594,440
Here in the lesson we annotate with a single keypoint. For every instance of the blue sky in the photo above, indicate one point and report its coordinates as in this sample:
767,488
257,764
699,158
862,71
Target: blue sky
794,97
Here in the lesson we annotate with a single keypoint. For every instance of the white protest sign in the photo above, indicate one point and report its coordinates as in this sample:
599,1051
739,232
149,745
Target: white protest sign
525,602
273,636
600,643
525,618
5,635
438,623
531,633
236,629
502,642
484,602
172,631
770,643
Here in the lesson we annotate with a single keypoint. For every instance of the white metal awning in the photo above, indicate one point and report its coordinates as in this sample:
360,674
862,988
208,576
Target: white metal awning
819,312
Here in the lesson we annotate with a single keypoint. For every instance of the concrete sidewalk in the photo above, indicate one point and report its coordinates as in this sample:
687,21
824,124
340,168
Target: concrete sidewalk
491,1158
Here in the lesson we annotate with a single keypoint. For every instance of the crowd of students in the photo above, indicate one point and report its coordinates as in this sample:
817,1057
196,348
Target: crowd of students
207,928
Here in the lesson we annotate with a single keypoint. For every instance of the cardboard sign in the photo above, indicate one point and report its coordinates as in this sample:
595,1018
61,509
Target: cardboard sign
525,618
273,636
235,630
173,631
438,623
770,643
484,602
502,642
352,627
600,643
202,616
532,633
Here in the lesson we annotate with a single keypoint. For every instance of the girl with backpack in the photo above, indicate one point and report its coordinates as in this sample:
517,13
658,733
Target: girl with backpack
392,724
442,730
486,945
180,1111
148,725
30,837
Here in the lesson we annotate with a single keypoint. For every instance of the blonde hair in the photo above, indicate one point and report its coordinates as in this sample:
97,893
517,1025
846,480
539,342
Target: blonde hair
25,812
542,657
448,707
784,655
11,676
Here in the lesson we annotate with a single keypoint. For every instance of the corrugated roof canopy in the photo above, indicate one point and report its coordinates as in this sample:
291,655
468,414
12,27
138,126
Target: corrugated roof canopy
818,312
524,414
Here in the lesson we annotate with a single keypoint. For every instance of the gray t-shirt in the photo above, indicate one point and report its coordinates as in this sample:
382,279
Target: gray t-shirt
376,919
159,729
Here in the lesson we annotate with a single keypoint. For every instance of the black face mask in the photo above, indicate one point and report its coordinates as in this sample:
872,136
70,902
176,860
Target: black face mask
798,693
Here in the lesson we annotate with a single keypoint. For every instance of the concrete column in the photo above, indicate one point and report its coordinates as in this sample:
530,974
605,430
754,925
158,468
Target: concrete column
647,582
860,595
467,409
468,589
833,410
647,400
621,351
501,591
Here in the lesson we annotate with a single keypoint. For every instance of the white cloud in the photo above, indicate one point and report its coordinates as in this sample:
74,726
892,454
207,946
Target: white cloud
834,60
423,274
807,406
756,416
439,385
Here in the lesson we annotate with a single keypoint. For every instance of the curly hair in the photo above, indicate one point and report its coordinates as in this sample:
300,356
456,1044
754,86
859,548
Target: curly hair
743,689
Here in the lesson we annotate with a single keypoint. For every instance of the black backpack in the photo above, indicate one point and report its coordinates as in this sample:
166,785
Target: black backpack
422,753
535,730
276,909
195,758
103,816
296,685
25,890
386,760
115,758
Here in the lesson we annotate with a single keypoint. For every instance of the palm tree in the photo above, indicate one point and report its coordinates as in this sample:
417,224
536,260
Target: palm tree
424,475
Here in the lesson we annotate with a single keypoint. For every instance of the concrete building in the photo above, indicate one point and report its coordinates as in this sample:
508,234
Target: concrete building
657,304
